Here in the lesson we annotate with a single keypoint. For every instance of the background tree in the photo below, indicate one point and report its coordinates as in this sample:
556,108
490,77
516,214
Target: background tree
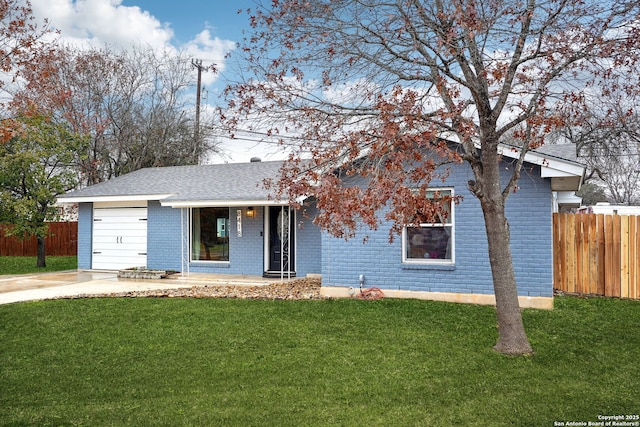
136,105
36,165
375,85
591,194
606,132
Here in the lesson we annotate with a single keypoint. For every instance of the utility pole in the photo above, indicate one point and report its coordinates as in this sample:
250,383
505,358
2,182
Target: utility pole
198,64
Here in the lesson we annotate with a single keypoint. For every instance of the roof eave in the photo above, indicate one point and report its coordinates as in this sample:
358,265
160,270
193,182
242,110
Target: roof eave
118,198
222,203
566,175
568,199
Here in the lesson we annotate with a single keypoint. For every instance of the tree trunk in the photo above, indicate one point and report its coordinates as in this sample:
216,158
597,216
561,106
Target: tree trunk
42,253
512,338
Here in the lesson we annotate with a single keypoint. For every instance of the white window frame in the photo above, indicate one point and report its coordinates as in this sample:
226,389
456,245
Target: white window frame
450,225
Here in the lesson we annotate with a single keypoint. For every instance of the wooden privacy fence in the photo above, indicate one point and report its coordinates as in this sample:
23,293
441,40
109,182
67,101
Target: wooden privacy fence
597,254
62,242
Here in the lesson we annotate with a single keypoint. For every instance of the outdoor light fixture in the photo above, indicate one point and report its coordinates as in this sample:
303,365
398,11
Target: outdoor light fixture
250,212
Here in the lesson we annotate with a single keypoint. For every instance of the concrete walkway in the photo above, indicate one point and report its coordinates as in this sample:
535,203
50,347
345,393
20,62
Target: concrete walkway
32,287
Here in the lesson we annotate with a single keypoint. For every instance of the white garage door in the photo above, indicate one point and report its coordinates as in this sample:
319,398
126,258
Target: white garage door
119,238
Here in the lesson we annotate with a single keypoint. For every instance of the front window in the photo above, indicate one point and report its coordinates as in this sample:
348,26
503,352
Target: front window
431,243
210,234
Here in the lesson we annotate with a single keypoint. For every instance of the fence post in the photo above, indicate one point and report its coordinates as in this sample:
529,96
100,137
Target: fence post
617,257
602,255
593,254
624,256
634,257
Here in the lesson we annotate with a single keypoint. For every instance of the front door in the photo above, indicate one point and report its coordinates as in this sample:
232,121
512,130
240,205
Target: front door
280,241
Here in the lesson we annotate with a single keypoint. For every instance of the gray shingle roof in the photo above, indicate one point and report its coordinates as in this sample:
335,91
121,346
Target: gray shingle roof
561,151
230,182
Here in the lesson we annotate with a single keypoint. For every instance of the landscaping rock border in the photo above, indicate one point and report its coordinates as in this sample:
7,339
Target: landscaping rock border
298,289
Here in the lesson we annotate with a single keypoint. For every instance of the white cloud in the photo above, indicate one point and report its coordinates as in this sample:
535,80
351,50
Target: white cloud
210,50
99,22
107,22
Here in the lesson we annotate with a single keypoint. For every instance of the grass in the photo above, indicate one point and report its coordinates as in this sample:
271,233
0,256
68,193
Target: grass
100,362
27,264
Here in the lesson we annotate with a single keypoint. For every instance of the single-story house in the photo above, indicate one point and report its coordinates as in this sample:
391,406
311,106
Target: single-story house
220,219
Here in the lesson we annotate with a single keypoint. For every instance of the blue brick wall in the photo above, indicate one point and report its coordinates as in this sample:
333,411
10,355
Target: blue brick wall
308,243
529,212
246,253
164,237
85,233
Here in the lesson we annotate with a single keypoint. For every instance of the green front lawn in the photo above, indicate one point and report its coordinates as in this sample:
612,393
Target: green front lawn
27,264
174,362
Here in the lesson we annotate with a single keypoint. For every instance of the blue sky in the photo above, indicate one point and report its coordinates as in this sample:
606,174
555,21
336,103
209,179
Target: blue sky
187,18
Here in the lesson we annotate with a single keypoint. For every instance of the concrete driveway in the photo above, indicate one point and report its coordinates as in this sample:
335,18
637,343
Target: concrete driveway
31,287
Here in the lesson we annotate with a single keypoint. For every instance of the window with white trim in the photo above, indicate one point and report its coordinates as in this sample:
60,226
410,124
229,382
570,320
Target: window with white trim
432,243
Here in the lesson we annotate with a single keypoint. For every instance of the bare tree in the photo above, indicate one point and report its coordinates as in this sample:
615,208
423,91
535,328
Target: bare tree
137,106
592,194
607,137
374,86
